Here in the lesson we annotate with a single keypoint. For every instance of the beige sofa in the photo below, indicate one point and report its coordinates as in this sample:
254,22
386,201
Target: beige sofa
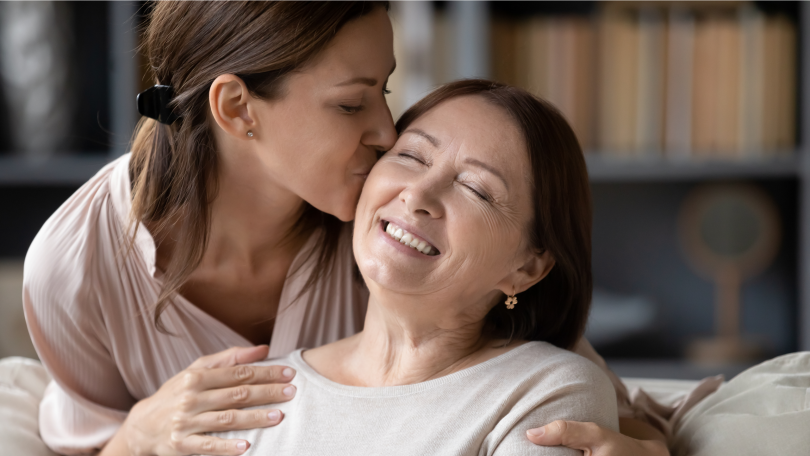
763,411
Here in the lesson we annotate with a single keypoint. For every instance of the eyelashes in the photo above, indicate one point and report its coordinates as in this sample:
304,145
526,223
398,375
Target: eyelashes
355,109
351,109
481,195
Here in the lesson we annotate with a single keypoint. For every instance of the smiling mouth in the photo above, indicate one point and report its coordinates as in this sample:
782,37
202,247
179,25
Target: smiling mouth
408,239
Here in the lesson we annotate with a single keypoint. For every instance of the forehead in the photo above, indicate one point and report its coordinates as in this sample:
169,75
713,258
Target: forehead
477,128
362,47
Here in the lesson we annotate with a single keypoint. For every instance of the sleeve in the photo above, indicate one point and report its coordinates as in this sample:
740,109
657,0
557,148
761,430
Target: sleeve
578,392
67,327
639,405
585,349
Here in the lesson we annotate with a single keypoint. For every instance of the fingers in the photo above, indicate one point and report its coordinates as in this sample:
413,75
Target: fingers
571,434
232,357
214,446
205,379
228,420
237,397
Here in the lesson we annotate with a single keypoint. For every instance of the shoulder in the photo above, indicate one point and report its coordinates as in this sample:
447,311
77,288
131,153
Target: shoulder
553,384
564,384
560,365
59,260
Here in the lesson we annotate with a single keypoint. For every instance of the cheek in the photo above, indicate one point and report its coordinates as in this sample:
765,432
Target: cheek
380,189
483,238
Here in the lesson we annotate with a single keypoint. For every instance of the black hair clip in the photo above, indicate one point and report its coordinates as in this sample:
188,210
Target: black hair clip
154,103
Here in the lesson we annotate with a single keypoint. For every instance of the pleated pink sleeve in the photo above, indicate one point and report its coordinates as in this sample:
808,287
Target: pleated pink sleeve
89,312
67,325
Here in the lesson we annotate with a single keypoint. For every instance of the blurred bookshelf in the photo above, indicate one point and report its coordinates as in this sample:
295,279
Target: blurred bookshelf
664,97
623,73
605,167
102,80
64,169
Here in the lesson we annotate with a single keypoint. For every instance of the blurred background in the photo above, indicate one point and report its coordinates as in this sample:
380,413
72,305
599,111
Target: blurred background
691,116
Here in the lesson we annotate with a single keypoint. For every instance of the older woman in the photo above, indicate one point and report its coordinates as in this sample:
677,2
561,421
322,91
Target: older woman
473,236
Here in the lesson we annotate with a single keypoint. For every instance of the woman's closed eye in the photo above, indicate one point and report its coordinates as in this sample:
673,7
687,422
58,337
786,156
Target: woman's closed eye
351,109
480,194
476,190
412,156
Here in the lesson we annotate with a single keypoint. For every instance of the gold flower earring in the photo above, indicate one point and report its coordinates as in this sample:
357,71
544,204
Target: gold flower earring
511,300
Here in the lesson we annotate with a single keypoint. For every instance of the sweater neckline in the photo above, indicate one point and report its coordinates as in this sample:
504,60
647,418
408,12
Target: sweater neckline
400,390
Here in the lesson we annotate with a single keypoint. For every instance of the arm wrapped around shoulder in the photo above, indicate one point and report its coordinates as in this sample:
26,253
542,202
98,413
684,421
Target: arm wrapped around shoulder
569,387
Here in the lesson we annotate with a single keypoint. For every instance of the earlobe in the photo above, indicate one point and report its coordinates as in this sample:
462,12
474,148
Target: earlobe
230,103
535,269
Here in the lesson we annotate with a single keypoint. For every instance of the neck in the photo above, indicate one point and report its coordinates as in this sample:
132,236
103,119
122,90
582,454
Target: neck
251,216
402,345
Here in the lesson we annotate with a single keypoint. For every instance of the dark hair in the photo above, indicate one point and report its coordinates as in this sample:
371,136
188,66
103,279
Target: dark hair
556,308
173,168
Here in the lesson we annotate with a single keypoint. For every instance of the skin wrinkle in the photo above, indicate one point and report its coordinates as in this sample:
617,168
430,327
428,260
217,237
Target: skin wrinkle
426,314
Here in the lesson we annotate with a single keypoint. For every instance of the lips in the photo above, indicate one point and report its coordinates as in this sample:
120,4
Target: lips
409,239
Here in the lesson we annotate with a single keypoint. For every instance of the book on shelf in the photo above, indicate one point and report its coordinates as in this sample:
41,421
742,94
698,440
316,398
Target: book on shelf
660,80
552,57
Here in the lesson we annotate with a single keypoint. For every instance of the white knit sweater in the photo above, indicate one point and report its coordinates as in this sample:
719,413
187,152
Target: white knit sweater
483,410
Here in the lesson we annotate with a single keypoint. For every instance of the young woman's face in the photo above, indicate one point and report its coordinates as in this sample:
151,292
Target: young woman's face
458,179
322,136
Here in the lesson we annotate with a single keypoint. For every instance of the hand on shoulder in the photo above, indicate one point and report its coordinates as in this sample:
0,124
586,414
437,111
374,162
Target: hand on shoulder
594,440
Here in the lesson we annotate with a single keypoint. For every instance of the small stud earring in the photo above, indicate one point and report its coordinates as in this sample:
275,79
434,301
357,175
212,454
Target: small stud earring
250,134
511,300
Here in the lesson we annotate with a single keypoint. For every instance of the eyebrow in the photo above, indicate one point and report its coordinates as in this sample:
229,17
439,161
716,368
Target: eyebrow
470,161
482,165
432,139
371,82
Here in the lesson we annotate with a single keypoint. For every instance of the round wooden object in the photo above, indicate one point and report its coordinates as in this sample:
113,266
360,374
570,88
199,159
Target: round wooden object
729,232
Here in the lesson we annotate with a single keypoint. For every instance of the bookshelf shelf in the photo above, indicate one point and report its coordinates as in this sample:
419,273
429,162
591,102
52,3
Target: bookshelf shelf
604,168
68,169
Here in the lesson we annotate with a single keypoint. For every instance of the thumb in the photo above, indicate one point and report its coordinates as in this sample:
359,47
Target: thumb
232,357
571,434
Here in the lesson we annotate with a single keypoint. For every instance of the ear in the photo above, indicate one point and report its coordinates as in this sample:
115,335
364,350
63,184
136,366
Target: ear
231,105
535,268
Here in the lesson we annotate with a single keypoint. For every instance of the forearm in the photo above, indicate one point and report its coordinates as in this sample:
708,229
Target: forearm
640,430
117,446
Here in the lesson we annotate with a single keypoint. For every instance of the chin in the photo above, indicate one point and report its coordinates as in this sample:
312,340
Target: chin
343,208
387,275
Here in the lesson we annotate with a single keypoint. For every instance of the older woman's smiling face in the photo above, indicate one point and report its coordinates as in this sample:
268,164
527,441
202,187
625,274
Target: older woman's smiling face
447,209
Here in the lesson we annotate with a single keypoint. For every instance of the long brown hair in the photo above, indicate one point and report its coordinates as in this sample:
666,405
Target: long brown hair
173,168
556,308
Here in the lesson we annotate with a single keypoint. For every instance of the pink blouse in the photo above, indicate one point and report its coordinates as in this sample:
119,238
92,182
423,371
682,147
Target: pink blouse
88,310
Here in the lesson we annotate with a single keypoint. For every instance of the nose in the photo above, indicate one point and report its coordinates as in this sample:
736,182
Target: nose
422,197
381,134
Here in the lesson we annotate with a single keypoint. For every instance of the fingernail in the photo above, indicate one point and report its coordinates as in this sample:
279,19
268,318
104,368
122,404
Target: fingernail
288,373
538,432
275,415
241,445
289,391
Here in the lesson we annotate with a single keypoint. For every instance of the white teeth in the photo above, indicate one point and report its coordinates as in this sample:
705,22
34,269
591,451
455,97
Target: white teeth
408,239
